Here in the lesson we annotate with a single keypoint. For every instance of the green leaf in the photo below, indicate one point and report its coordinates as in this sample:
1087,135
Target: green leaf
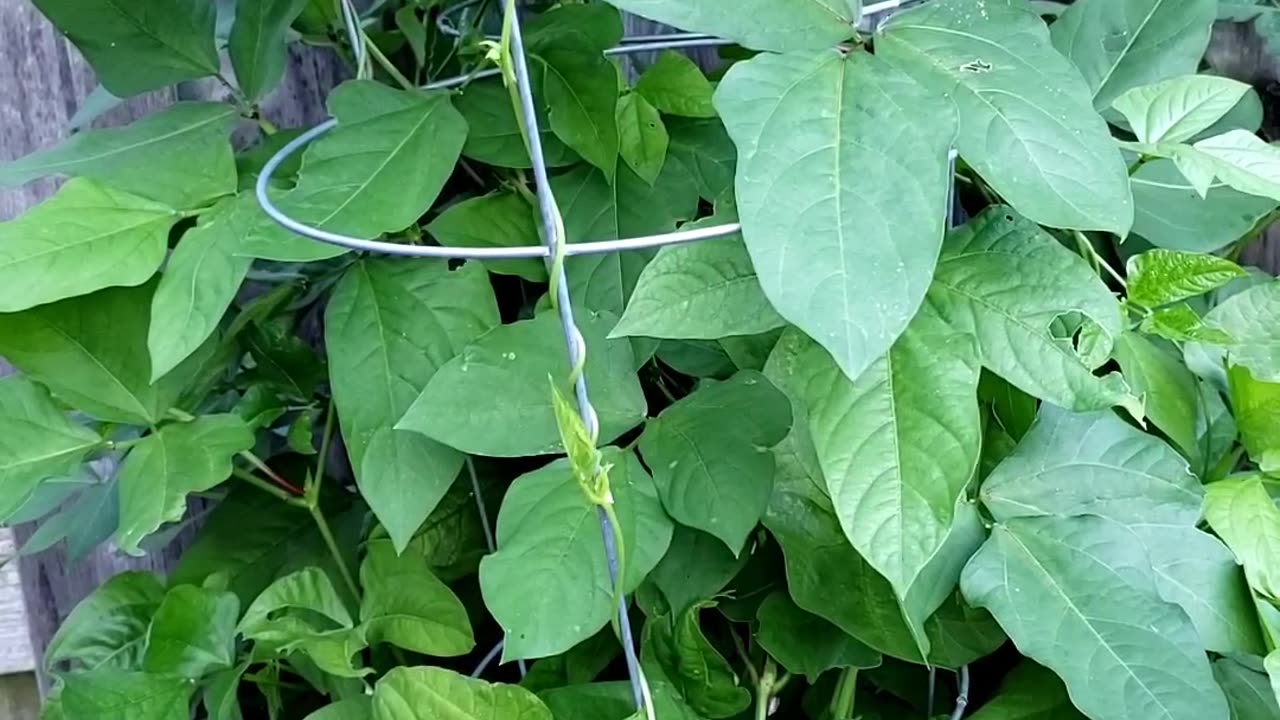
594,26
1160,277
806,644
1170,393
1078,595
182,458
426,693
581,89
139,45
494,135
897,446
593,209
107,694
220,693
675,85
1005,281
180,157
548,585
704,150
1123,44
1169,213
710,455
497,220
192,633
513,362
405,605
37,441
199,283
696,567
779,25
594,701
85,238
704,291
1248,692
1257,411
383,166
257,43
1238,158
1243,514
108,629
1179,109
353,708
1272,665
1180,323
91,352
391,327
829,180
1251,323
705,679
828,578
1029,692
307,590
1027,123
1097,464
642,137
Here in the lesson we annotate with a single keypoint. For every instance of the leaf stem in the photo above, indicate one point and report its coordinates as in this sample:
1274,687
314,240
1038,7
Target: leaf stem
325,439
327,534
765,689
1086,246
746,657
962,694
846,693
376,53
266,487
261,467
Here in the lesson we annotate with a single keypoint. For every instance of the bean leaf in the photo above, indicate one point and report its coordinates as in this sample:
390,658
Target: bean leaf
779,25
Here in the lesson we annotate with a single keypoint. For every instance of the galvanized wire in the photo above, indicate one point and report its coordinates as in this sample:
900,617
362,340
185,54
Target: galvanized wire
548,250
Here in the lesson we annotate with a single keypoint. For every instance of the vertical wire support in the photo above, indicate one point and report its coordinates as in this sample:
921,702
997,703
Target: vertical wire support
574,343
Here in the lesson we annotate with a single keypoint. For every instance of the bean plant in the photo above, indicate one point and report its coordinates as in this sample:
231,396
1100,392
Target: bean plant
978,414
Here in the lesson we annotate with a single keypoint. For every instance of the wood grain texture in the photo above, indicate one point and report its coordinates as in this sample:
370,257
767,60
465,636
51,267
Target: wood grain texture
19,697
16,655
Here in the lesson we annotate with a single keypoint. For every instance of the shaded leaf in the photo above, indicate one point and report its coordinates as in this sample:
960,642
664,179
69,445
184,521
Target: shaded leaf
1243,514
496,220
108,629
1029,692
1170,213
806,644
675,85
257,43
108,694
37,441
642,137
697,566
405,605
192,633
705,679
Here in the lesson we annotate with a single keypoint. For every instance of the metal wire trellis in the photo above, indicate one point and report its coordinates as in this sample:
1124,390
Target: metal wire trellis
548,250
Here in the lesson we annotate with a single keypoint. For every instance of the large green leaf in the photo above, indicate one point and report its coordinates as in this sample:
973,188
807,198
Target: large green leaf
493,398
1247,690
1006,281
779,25
302,612
1027,123
1078,595
842,199
593,210
85,238
1179,109
1170,392
897,446
257,43
705,679
426,693
675,85
359,707
199,283
1096,464
91,351
494,135
140,45
828,578
1251,321
498,220
1170,213
710,455
805,643
705,290
108,694
1243,514
405,605
590,701
180,156
1123,44
1160,277
581,89
1029,692
697,566
192,633
391,326
1239,158
1257,410
37,441
383,166
109,627
548,585
182,458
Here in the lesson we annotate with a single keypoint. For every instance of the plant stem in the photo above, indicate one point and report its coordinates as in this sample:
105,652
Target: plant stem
962,694
846,692
1087,247
323,525
261,467
325,439
765,689
746,657
266,487
386,63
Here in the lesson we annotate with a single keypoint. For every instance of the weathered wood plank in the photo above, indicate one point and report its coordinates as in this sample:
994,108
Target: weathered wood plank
19,697
16,655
